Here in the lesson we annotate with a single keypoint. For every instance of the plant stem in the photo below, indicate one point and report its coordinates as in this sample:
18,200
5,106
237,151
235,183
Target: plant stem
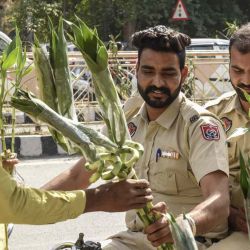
13,122
3,78
148,218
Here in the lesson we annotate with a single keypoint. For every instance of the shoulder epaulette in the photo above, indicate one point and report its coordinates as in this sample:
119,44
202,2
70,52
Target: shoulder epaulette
223,97
132,106
191,112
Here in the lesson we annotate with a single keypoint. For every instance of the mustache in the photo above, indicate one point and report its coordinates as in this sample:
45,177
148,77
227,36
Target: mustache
154,88
240,89
243,85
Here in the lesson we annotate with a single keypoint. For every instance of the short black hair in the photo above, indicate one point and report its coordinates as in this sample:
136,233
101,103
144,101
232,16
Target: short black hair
162,38
241,39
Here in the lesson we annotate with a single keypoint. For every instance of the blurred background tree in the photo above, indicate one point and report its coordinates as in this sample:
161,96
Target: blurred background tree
208,17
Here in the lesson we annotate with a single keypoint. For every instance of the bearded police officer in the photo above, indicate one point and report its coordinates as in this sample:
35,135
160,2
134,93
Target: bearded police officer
185,157
232,108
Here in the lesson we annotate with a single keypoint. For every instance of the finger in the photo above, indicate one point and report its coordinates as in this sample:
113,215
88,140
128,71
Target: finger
242,213
142,199
241,225
167,239
11,161
160,207
142,192
156,226
161,236
142,183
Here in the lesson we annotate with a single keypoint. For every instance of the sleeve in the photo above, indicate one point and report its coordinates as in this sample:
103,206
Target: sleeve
208,150
23,205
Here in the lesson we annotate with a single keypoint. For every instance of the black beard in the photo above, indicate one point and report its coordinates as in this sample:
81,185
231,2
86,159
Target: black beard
239,89
158,103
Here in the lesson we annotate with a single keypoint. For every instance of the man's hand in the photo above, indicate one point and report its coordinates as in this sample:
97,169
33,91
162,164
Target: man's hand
118,196
237,219
159,232
9,164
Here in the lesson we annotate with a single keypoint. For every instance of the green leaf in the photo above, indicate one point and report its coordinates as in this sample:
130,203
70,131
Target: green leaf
10,60
247,96
244,176
27,70
102,57
77,37
10,47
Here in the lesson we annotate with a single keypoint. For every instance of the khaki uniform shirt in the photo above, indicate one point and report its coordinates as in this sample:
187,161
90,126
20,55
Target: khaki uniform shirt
23,205
229,110
180,148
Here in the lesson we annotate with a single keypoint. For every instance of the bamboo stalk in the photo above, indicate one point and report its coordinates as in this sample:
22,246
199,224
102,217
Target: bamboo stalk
2,94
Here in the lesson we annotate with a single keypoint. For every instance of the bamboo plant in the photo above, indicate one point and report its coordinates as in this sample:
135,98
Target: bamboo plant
13,58
112,156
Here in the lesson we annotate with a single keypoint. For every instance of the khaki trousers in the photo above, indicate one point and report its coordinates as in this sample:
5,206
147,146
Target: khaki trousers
235,241
128,240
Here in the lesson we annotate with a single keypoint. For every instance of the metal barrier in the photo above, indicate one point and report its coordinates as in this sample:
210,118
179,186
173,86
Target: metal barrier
208,78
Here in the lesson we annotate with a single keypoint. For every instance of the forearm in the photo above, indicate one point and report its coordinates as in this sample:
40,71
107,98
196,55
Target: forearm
72,179
214,210
210,213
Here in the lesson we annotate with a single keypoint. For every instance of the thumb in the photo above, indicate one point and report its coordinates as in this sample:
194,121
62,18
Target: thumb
160,207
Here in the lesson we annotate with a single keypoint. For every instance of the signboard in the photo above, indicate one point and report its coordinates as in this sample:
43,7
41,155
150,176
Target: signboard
180,12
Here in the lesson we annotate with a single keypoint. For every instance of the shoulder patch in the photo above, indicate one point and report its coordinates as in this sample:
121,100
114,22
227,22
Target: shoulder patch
227,123
210,132
194,118
132,128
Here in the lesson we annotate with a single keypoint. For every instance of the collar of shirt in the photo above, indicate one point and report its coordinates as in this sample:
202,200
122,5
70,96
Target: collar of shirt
167,118
235,105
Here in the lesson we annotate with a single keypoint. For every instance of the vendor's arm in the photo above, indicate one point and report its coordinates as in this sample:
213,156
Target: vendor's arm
76,177
33,206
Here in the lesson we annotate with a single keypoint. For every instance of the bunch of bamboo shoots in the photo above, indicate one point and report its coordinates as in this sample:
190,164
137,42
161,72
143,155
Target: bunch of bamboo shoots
12,59
111,157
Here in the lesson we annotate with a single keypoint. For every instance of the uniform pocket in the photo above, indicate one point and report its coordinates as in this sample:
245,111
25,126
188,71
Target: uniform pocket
162,177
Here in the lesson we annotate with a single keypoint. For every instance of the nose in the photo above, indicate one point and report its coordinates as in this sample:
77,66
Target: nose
158,81
246,78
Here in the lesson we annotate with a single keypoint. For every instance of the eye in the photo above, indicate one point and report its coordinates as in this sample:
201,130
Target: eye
237,70
169,73
147,71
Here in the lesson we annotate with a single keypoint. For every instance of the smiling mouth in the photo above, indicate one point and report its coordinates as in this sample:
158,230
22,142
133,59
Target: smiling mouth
247,88
244,86
158,94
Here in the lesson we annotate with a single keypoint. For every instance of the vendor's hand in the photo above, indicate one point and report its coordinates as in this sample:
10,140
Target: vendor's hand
118,196
159,232
9,164
237,219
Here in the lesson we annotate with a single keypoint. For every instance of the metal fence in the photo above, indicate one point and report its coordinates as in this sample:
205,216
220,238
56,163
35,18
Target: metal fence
208,78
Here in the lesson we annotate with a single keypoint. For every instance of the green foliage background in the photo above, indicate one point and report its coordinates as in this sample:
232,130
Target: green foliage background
208,17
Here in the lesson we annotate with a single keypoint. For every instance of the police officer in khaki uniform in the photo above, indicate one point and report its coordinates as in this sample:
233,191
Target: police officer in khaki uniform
33,206
185,157
232,108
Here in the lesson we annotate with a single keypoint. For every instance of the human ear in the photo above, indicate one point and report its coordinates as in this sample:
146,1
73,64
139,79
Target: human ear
184,73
